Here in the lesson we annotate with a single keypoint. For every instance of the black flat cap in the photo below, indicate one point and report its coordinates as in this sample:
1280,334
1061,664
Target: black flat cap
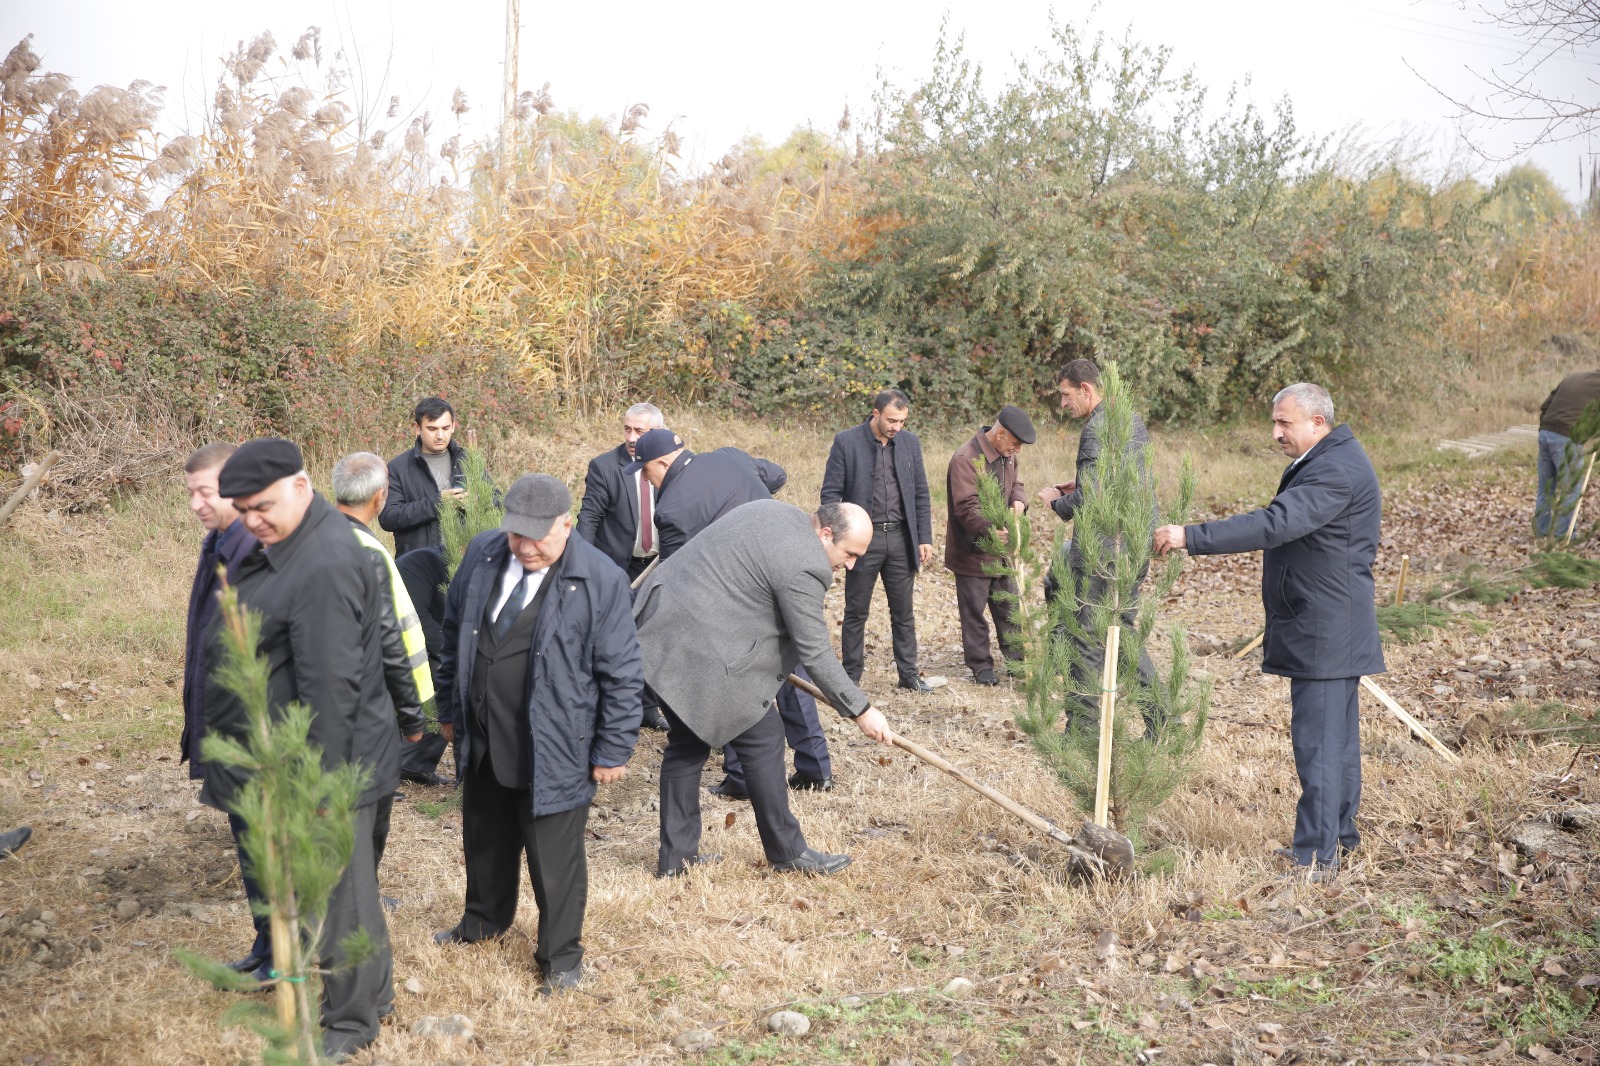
1017,423
255,464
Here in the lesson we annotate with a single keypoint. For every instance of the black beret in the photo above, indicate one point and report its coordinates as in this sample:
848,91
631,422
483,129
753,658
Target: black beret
256,464
1017,423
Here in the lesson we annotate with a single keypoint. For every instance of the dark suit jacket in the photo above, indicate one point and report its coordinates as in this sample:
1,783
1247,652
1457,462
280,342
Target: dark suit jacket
848,478
699,489
609,515
1320,537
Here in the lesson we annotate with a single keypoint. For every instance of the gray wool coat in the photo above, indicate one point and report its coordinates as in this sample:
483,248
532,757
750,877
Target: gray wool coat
724,621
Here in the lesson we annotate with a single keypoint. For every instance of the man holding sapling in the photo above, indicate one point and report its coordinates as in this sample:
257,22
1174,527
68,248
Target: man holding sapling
1081,397
226,543
420,477
1319,537
1560,469
540,680
996,447
322,606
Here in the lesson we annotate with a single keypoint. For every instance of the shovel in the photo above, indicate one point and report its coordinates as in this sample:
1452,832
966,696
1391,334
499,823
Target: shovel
1095,851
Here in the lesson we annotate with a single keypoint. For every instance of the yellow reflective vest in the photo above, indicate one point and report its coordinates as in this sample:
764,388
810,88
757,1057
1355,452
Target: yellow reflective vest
410,625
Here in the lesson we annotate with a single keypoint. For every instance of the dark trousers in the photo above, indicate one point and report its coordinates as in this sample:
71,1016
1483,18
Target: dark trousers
422,758
801,728
760,748
353,996
1089,665
886,556
497,827
262,946
1326,734
972,594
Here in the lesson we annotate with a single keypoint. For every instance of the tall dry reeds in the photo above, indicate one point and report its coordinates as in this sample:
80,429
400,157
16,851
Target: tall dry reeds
579,248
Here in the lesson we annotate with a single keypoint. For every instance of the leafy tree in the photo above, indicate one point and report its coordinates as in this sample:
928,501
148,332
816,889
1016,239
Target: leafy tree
1112,534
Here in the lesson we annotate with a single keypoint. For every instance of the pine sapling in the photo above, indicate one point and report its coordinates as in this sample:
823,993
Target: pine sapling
299,837
461,520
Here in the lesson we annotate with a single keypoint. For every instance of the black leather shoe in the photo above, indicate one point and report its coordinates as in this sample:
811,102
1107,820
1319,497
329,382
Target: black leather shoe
248,964
432,779
728,790
453,935
561,981
986,678
801,783
811,861
11,843
705,859
916,684
656,722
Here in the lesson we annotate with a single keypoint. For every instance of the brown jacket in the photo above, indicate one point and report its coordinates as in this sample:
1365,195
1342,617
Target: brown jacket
965,525
1560,410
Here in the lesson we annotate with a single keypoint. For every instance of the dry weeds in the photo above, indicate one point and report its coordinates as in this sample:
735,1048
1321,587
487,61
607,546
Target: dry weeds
1210,956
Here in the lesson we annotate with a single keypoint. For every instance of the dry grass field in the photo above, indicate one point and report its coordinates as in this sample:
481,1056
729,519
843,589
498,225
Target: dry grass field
1440,943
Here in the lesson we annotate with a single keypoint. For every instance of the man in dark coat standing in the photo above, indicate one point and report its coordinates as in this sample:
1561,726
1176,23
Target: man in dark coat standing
226,543
695,491
1078,383
430,470
322,606
877,466
540,677
996,447
618,510
720,624
1319,536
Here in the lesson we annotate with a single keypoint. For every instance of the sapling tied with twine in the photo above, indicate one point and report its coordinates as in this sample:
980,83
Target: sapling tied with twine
299,837
1072,704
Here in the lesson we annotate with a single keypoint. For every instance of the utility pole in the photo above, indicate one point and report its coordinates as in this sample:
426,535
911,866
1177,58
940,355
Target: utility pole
508,120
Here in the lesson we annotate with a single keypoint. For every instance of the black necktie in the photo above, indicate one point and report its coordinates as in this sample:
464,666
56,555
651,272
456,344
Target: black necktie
512,607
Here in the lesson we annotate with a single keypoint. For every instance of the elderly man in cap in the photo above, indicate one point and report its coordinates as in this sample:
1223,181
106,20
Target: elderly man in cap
322,607
721,623
360,488
996,447
540,678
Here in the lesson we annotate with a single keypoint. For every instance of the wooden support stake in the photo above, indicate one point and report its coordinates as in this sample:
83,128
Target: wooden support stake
1572,519
1252,646
1108,708
1400,587
29,483
1410,722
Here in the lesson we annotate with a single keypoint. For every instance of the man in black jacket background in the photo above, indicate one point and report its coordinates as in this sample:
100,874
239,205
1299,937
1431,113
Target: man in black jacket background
430,470
614,501
1319,536
877,466
322,606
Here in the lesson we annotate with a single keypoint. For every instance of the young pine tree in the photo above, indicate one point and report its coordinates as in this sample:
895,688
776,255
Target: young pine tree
1157,725
461,520
299,838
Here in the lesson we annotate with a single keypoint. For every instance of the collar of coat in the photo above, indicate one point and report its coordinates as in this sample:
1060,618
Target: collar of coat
1336,436
453,450
987,447
679,465
281,554
575,563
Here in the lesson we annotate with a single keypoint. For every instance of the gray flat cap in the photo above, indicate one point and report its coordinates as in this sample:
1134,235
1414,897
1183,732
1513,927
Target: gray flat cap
534,503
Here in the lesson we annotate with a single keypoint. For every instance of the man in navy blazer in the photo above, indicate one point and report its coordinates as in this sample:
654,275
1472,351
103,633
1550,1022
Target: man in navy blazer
1319,536
613,498
877,466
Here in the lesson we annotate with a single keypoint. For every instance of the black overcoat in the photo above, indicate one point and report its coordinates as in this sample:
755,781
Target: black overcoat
852,465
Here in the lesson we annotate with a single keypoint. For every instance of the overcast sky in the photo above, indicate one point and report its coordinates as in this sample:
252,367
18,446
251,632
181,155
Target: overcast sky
719,70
